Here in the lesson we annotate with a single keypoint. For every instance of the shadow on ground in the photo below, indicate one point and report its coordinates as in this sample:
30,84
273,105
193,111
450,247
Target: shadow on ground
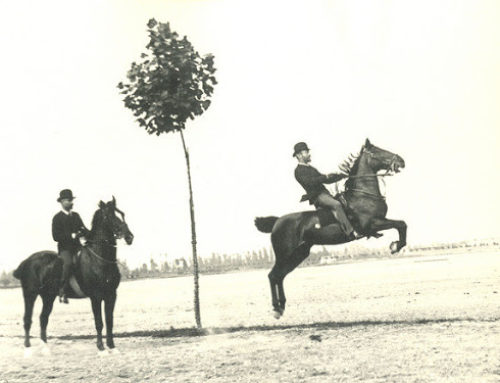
194,332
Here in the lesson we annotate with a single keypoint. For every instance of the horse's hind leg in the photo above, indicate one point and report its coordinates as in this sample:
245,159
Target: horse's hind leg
109,306
273,281
96,309
279,273
277,293
48,303
29,302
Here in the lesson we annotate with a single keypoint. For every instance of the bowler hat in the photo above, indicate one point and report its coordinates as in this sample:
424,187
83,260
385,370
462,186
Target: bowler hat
299,147
65,194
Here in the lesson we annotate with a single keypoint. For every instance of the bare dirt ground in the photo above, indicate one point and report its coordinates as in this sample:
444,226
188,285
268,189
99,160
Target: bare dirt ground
424,319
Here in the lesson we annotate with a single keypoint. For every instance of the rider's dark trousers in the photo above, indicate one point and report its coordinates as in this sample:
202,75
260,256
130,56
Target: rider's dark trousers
67,258
326,200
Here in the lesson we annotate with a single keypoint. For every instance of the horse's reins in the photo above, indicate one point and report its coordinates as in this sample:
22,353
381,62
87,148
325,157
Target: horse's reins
99,257
368,193
104,241
372,175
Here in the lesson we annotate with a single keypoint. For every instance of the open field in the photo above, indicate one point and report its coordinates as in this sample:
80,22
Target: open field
419,319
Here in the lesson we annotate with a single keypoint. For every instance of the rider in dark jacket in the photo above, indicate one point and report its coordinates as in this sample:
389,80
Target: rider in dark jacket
313,183
67,228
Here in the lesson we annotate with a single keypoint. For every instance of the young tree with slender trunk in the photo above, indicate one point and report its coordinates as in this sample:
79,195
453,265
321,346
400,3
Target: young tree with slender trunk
171,84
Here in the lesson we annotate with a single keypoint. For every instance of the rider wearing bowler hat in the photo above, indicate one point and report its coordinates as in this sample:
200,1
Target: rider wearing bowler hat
317,194
67,228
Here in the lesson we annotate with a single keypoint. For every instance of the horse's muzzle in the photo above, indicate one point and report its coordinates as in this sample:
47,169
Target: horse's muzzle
397,164
129,238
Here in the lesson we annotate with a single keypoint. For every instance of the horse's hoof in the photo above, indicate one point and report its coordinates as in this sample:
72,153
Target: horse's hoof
394,247
28,352
46,350
277,314
114,351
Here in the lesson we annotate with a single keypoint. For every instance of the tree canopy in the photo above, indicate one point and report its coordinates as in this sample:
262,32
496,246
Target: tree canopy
170,84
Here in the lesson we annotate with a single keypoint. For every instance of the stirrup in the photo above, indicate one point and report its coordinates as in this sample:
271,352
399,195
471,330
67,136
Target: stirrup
358,235
355,235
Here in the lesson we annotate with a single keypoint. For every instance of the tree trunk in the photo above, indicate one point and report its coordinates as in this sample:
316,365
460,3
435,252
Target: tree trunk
193,239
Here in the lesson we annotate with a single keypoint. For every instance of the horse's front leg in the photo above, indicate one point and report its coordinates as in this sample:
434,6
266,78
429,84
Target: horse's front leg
96,309
379,224
109,306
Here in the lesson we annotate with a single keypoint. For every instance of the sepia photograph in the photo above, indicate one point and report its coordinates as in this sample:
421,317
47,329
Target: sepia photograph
250,191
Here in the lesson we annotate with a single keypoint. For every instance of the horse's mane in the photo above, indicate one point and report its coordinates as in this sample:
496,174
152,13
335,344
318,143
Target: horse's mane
350,167
96,221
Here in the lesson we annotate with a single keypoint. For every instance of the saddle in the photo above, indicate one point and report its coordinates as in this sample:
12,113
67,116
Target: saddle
326,216
75,290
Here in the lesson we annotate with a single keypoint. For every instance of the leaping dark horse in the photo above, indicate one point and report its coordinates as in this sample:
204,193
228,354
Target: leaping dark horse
293,235
95,275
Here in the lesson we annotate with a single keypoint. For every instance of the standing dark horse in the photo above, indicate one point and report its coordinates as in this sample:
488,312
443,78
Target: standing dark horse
293,235
95,275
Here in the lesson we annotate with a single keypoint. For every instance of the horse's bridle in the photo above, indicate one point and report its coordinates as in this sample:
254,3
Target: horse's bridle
390,163
390,166
106,242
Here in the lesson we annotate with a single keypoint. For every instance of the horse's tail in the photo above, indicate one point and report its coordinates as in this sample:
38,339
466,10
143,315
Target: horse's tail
265,224
19,272
40,259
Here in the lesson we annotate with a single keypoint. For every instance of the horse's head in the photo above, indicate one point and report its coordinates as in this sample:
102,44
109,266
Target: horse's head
117,226
380,159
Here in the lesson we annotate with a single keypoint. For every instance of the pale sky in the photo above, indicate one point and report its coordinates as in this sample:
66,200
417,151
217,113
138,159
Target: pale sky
420,79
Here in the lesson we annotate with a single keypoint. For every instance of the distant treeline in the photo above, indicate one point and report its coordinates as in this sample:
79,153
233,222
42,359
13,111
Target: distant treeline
264,259
216,263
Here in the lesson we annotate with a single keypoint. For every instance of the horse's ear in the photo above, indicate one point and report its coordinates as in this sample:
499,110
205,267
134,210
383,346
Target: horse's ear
368,144
101,204
114,201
